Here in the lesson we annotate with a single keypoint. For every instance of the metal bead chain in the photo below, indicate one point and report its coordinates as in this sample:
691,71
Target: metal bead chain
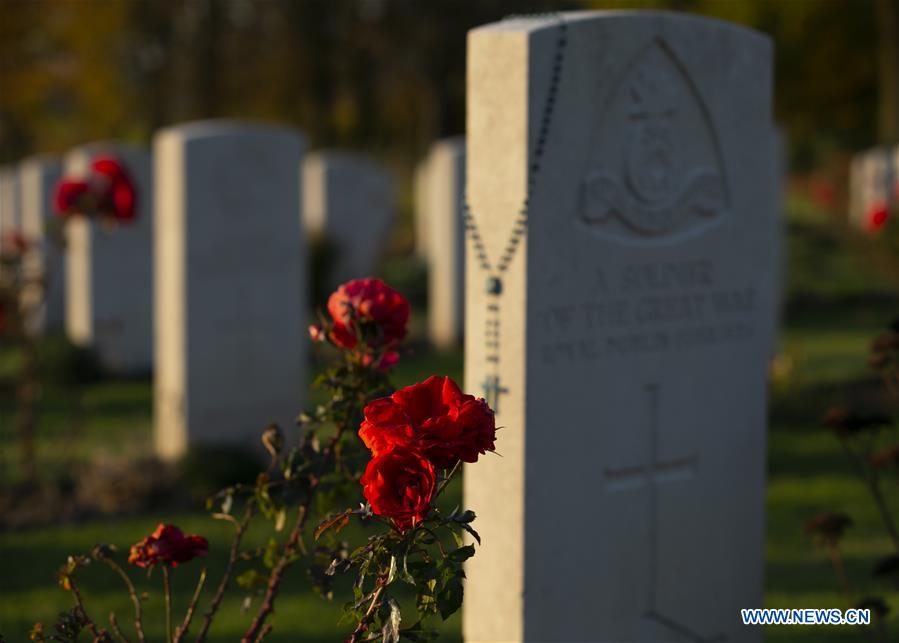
521,223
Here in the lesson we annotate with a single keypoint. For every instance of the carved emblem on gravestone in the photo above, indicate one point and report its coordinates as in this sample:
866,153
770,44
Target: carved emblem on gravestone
656,170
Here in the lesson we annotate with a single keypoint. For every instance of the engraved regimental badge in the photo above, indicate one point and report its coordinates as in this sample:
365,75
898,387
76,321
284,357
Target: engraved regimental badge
656,168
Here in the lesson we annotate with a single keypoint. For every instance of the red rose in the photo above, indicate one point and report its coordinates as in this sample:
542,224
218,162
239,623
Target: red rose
370,309
69,197
436,418
399,484
167,544
116,193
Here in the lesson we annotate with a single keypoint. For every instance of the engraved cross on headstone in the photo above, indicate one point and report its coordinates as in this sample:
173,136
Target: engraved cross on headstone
492,391
653,472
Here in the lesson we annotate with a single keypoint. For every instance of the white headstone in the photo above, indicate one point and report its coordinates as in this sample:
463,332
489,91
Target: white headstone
230,283
873,184
420,210
44,263
109,270
625,343
348,201
10,196
441,213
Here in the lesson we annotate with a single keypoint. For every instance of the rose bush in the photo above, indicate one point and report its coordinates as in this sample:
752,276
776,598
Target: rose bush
417,437
869,439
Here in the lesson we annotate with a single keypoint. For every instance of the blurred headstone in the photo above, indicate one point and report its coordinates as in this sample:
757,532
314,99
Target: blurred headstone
10,196
620,296
109,269
348,204
230,284
873,187
420,206
43,266
439,211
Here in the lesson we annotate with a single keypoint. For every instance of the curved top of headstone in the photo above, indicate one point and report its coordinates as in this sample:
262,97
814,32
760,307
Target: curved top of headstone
213,128
90,147
526,23
347,158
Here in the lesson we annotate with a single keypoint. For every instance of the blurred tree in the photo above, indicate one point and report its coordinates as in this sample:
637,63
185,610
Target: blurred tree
888,30
380,74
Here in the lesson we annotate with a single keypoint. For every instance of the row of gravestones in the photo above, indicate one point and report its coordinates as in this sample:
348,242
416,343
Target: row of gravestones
873,187
330,212
207,287
621,272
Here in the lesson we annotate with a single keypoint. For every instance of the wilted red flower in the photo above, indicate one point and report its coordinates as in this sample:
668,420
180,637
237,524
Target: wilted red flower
368,309
169,545
828,527
115,189
846,422
399,483
70,197
434,417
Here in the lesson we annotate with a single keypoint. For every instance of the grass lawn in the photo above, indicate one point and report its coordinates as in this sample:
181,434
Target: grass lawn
838,298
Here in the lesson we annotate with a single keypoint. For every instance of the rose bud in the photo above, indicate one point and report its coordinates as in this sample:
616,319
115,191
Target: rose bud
316,333
273,439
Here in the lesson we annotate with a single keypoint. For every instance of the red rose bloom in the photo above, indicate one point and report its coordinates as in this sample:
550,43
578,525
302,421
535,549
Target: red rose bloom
167,544
116,193
399,484
436,418
69,197
370,309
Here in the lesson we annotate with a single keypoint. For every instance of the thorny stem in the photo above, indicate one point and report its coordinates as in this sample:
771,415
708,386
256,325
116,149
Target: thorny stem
135,600
239,530
436,539
449,477
274,580
362,625
99,635
114,624
167,589
840,569
290,546
265,632
871,479
26,393
181,630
